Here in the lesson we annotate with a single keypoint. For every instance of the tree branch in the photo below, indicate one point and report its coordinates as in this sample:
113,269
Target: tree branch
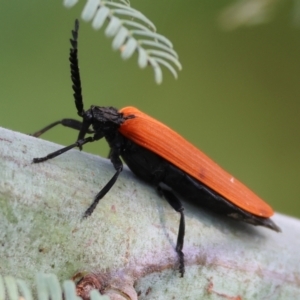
130,237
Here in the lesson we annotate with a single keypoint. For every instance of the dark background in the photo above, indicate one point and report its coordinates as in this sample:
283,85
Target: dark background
237,97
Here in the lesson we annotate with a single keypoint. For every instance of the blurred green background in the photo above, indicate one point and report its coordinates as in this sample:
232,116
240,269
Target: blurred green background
237,97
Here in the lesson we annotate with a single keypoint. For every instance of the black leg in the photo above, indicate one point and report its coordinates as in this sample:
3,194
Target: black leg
79,144
71,123
168,194
116,161
101,194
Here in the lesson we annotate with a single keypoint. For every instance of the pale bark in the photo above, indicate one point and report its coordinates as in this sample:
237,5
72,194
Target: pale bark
131,235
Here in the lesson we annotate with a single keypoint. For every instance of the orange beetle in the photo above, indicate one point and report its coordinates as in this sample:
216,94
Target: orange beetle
162,157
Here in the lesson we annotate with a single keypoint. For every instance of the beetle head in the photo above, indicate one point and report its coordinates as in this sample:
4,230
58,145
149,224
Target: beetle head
104,120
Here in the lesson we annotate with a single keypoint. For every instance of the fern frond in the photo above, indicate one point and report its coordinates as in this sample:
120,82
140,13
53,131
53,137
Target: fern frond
132,32
47,287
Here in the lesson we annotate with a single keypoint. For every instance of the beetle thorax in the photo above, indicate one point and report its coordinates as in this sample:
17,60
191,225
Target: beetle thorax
104,119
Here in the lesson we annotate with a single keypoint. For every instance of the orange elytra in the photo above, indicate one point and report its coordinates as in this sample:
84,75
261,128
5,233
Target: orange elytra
165,142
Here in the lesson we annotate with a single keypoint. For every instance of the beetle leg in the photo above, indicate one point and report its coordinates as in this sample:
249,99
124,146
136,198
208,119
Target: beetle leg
79,144
168,194
116,161
71,123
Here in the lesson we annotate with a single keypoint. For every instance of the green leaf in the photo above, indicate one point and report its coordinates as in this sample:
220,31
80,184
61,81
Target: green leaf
125,25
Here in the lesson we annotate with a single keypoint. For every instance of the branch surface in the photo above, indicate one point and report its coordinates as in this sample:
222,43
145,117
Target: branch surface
128,243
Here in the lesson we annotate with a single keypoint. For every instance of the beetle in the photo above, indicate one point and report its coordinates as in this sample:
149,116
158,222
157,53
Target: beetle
161,157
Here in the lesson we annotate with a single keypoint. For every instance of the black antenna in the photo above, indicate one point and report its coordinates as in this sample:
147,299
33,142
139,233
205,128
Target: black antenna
75,74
